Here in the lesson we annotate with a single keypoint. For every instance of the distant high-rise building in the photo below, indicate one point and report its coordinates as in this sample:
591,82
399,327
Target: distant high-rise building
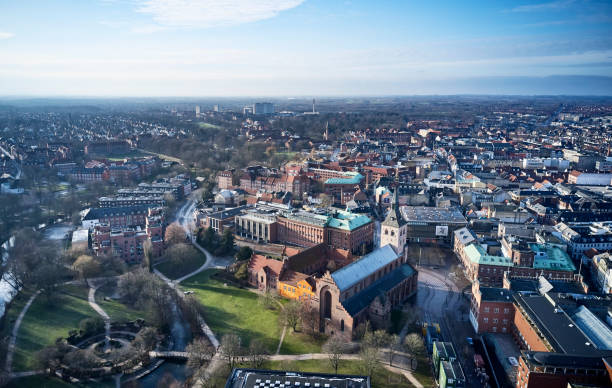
263,108
216,108
197,111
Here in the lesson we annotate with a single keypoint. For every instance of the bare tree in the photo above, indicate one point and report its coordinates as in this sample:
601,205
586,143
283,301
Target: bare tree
257,353
395,345
335,348
199,353
268,299
369,359
309,316
231,349
290,314
175,234
86,267
413,344
147,253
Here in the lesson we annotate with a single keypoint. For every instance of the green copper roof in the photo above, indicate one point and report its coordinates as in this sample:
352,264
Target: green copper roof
478,255
352,178
347,221
548,256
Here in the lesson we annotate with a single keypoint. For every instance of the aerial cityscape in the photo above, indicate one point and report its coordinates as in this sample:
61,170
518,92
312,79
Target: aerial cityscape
298,193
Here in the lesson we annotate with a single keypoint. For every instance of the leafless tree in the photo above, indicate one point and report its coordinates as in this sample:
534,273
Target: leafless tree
175,234
290,314
257,353
231,349
335,348
199,353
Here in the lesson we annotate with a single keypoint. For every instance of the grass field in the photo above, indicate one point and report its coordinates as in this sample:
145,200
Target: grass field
382,378
45,322
173,271
229,309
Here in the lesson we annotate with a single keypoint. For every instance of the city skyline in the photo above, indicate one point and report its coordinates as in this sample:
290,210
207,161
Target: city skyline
304,47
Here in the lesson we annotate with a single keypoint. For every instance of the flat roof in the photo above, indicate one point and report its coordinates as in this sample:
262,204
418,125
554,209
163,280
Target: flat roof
254,378
555,325
433,215
551,257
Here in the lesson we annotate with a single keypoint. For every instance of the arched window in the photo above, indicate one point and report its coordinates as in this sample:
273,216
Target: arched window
392,233
342,325
386,231
327,305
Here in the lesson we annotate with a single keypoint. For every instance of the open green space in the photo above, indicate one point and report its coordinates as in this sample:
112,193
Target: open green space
47,320
173,271
229,309
382,378
9,318
301,343
117,311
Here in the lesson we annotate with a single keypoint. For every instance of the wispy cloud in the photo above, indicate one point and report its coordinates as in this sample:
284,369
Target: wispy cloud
550,6
212,13
6,35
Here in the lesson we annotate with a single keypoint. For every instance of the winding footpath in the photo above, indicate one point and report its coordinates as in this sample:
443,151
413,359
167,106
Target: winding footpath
91,299
8,365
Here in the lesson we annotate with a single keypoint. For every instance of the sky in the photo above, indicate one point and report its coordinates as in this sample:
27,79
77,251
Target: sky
304,47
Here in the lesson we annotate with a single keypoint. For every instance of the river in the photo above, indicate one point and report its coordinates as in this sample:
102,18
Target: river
181,335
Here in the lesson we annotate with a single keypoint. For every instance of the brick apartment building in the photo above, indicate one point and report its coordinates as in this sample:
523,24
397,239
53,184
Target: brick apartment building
117,217
224,180
519,257
491,309
343,230
127,242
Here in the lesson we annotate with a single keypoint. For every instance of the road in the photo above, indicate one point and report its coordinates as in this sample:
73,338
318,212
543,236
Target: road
440,301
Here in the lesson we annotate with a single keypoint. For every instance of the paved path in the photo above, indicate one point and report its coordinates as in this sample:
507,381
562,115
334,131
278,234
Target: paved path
282,337
92,302
8,366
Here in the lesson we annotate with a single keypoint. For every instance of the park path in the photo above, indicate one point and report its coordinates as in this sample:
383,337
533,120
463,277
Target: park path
280,343
91,299
8,366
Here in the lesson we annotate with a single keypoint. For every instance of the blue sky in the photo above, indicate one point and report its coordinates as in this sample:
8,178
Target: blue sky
303,47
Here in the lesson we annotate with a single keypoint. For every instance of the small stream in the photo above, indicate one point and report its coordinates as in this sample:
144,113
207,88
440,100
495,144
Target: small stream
181,333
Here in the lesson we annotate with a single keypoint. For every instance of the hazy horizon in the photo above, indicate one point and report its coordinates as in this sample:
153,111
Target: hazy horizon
168,48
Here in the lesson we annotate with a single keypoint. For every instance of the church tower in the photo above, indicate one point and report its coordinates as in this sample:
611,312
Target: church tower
393,228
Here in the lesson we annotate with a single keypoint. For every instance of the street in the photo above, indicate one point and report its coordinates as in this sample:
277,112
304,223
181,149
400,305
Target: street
440,300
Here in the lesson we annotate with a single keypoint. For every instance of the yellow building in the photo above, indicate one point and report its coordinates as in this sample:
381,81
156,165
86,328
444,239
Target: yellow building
295,285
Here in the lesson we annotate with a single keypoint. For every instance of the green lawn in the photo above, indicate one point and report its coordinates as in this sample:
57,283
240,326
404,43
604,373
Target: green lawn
173,271
300,343
8,320
117,311
382,378
45,322
229,309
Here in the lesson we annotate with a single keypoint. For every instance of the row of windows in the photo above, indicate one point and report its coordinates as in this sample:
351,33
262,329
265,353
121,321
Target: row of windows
495,320
496,310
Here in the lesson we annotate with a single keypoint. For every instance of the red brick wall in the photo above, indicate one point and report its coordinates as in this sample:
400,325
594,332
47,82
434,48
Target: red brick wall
528,336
